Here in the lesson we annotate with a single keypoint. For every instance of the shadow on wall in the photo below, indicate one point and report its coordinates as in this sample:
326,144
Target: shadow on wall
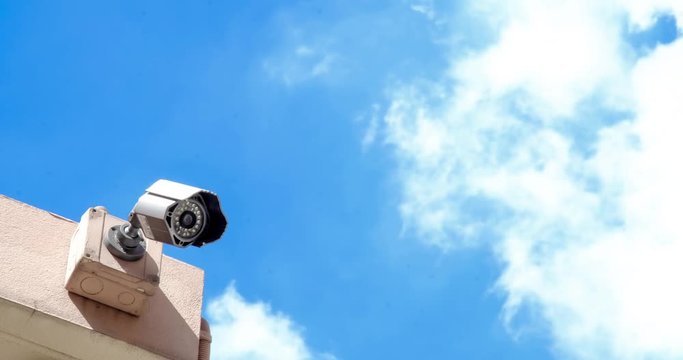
161,324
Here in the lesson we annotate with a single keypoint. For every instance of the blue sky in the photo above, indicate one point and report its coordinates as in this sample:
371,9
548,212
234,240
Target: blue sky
404,180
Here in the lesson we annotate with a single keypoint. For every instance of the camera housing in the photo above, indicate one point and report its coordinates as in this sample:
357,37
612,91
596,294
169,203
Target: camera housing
171,213
178,214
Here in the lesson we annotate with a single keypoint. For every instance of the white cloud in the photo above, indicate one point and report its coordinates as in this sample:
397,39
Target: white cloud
371,122
301,64
425,7
252,331
560,143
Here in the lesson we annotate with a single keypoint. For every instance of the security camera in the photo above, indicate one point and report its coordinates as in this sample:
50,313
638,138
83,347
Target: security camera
172,213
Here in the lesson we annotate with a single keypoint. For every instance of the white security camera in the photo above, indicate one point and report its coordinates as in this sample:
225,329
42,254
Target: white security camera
171,213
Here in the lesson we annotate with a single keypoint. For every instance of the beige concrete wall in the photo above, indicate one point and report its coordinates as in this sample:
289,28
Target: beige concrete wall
34,246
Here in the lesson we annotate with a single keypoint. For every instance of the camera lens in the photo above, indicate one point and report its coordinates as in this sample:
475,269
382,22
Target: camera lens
187,219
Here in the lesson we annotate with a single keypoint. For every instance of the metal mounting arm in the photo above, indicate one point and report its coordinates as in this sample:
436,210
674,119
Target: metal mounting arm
124,241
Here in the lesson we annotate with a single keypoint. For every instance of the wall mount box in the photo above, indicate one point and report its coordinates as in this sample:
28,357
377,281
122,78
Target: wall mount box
96,274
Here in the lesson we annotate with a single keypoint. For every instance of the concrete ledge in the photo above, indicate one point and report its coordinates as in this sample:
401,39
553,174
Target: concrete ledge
29,334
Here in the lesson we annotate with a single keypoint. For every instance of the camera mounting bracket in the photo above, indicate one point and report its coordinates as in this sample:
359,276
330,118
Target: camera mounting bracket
124,242
93,272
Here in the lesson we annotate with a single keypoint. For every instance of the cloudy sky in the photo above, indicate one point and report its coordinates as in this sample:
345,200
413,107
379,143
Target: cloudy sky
479,179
